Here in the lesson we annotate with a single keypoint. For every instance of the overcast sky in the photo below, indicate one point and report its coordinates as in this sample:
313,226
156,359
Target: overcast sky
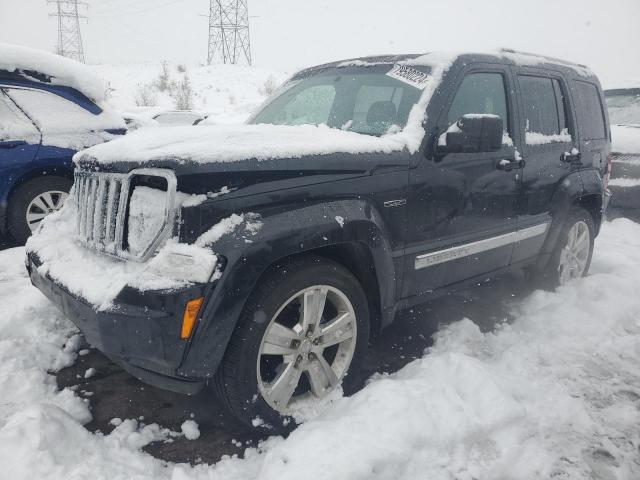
289,34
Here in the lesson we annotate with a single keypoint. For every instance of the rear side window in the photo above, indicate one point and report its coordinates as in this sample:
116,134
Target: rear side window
14,125
590,111
52,113
544,110
480,93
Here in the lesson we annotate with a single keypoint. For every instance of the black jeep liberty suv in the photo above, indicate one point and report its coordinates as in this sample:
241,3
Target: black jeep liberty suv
259,258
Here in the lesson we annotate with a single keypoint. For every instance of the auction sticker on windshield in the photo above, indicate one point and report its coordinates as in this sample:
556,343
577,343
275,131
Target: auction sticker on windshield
409,75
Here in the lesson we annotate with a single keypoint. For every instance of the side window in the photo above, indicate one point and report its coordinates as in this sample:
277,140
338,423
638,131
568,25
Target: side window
52,113
590,112
310,106
14,125
544,110
480,93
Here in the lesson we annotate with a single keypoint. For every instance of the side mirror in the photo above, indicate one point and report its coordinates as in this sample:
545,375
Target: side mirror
474,133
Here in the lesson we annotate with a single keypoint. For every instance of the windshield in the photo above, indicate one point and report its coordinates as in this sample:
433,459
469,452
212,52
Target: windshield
370,100
624,107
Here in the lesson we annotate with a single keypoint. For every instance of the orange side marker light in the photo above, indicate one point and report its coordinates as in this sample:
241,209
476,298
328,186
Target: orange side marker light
189,317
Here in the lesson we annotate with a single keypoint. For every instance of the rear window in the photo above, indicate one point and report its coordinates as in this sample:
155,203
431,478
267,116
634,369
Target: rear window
590,111
52,113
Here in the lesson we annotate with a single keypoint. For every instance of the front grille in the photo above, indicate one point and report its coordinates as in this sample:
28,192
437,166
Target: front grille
103,205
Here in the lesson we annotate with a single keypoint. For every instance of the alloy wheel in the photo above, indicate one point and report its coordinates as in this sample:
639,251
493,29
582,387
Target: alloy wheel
44,204
575,254
313,333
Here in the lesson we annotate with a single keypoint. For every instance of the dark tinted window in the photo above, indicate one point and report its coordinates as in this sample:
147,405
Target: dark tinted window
541,105
481,93
590,113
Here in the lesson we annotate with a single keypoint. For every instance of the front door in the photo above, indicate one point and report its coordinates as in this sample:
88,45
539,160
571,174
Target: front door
463,205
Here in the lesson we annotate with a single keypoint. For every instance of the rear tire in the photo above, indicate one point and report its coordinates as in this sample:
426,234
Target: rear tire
270,366
28,198
571,257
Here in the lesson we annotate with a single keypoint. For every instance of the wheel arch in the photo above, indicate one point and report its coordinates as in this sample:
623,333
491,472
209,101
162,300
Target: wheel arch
580,189
359,244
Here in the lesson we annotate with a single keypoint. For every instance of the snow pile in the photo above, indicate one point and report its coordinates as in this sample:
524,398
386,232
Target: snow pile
62,70
555,394
625,139
624,182
99,278
190,430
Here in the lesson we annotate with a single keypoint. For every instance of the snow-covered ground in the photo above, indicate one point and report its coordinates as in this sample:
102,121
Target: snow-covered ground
554,394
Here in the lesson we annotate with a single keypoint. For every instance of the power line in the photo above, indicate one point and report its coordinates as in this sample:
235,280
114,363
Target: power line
116,12
69,36
229,39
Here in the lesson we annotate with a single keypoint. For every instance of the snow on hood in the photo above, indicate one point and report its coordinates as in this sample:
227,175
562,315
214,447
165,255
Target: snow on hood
625,139
62,70
236,142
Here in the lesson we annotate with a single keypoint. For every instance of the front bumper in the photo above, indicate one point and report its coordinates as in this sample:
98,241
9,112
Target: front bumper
141,333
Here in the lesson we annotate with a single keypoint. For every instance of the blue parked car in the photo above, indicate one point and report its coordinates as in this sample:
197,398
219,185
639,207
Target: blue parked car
43,123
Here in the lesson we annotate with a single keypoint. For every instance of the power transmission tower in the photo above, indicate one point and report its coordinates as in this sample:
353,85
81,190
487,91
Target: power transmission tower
69,37
229,39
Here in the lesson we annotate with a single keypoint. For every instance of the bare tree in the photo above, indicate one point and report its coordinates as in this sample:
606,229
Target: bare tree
145,96
164,79
183,94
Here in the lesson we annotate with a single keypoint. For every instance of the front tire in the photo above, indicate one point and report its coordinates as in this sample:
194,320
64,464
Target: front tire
34,200
302,330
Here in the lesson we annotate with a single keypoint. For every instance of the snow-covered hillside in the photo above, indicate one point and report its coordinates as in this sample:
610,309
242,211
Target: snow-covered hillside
554,394
226,92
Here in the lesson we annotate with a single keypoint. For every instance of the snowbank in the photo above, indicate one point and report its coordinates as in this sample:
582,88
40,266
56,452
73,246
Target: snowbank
555,394
227,93
625,139
63,71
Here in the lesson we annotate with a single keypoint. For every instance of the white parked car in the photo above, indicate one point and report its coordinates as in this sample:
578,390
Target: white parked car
179,118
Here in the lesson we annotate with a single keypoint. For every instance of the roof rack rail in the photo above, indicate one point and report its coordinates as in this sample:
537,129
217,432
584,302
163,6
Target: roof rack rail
551,59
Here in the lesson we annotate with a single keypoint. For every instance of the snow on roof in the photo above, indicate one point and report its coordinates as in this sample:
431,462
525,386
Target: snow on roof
62,70
515,56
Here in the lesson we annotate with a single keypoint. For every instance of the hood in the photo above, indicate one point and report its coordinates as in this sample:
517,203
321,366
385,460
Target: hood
205,145
625,139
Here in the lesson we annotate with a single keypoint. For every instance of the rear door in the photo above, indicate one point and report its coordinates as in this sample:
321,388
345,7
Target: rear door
463,205
547,129
594,138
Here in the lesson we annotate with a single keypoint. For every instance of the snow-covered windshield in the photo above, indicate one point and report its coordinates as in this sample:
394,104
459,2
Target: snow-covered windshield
624,106
371,100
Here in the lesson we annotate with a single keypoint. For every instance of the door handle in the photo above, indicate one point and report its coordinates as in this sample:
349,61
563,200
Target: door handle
12,143
571,157
507,165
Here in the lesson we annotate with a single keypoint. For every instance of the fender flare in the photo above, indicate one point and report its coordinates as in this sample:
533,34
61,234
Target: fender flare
246,257
573,190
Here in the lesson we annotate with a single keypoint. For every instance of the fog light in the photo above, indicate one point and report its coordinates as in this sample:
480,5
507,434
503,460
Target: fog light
189,316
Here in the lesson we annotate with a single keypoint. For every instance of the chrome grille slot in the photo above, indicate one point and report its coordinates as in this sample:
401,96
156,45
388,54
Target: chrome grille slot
103,200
